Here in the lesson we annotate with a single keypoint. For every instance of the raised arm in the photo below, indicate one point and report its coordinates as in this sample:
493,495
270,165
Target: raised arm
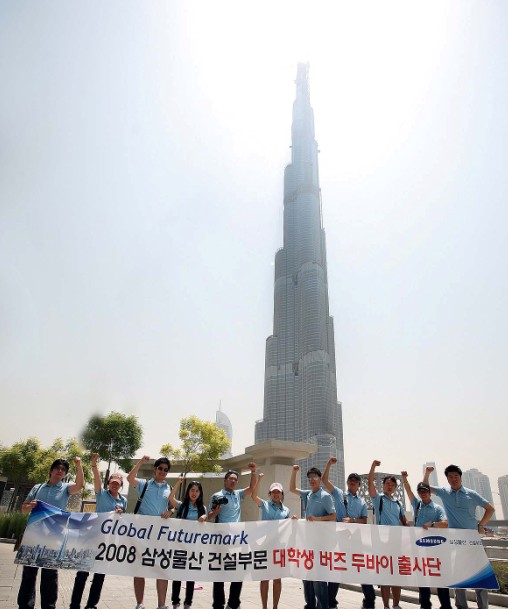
326,480
131,476
75,488
97,483
372,486
407,486
292,480
255,497
428,470
172,500
250,488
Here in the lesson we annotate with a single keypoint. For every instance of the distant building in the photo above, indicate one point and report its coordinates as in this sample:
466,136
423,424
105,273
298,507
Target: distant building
363,492
222,421
502,482
300,402
433,479
474,479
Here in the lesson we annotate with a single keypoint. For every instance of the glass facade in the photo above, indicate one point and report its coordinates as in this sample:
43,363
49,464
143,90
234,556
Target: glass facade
300,401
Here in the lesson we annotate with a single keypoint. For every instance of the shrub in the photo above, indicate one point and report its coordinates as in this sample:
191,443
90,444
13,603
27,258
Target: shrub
501,571
12,524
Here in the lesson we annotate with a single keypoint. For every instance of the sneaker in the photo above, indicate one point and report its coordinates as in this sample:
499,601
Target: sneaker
185,606
397,607
140,606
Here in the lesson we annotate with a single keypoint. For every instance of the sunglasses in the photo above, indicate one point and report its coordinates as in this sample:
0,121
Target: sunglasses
312,477
163,469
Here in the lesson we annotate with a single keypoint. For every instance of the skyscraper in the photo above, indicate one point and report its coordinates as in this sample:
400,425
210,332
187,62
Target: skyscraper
222,421
300,401
474,479
502,482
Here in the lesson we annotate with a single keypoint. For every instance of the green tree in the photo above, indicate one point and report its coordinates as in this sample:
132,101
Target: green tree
116,437
203,443
27,461
18,462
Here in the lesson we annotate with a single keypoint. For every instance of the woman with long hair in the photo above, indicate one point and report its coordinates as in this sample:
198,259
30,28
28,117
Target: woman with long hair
191,508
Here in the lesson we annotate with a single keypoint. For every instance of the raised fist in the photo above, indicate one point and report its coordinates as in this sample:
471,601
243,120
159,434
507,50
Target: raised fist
296,468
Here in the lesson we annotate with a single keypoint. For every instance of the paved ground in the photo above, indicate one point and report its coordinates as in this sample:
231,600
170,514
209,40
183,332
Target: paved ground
118,593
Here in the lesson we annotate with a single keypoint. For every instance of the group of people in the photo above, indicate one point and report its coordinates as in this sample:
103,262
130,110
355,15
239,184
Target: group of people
323,502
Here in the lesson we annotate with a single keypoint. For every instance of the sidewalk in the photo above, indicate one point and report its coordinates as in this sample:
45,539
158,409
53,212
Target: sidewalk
118,591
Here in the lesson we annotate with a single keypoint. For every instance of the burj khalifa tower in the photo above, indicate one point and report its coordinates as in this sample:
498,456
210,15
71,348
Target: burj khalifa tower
300,398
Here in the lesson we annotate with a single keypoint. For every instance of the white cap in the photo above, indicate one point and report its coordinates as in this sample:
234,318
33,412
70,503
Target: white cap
276,486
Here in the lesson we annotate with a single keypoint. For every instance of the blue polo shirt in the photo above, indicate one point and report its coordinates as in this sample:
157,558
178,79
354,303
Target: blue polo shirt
430,512
155,500
229,512
391,512
460,506
318,504
271,511
356,506
338,501
56,494
192,514
105,502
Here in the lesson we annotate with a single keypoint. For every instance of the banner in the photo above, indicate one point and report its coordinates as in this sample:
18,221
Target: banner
149,546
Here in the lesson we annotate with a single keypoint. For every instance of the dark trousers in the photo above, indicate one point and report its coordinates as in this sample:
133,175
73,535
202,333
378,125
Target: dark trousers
442,593
369,596
219,598
189,593
315,594
333,588
79,587
49,588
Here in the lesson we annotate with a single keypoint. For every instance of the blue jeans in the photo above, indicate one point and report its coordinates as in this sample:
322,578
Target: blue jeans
315,591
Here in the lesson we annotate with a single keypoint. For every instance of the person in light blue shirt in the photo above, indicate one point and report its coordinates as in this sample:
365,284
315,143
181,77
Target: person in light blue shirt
428,515
318,508
350,508
154,497
460,504
191,508
225,507
106,500
273,509
388,512
56,492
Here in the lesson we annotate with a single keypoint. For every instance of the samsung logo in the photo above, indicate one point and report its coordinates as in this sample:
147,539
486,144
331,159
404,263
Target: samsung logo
431,540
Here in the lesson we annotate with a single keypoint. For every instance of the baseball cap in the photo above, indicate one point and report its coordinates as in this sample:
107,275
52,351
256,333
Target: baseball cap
423,487
276,486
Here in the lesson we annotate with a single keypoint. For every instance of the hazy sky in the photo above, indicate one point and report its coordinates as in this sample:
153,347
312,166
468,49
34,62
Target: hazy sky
142,154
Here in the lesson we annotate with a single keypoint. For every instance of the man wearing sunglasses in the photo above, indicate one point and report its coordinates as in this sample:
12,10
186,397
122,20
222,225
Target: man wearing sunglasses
351,508
55,492
318,508
154,496
428,515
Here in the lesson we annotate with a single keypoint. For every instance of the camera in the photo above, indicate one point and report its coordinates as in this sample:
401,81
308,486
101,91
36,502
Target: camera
216,501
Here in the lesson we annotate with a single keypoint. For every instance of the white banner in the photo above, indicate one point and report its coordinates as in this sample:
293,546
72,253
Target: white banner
148,546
